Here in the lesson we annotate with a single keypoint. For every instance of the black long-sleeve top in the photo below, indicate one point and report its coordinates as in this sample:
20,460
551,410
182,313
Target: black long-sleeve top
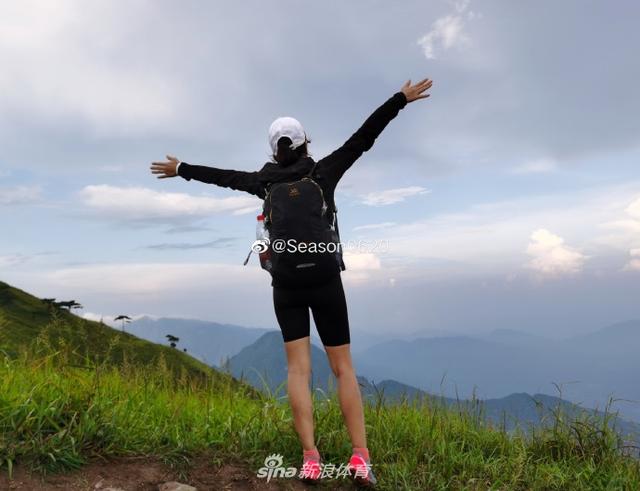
328,171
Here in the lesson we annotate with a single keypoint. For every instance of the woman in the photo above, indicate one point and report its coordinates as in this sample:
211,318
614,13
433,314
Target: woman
291,162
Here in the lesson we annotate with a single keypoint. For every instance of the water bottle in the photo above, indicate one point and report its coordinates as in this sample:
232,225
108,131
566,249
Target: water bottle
263,234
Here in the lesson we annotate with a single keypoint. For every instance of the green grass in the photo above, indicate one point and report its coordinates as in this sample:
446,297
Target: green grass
68,396
26,320
55,417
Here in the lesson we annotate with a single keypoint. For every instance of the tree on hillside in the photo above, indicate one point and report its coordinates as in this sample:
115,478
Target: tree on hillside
68,304
124,319
50,302
173,341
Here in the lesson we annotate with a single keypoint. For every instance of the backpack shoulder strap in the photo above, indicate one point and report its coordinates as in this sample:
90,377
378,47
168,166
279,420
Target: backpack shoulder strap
267,189
313,169
335,220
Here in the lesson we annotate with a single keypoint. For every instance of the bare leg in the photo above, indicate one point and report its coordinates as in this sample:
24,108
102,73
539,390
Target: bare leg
299,374
348,392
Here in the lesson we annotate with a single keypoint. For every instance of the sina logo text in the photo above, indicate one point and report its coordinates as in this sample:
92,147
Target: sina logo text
273,468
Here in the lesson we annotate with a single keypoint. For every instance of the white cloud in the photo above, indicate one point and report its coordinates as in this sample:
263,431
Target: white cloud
634,209
374,226
487,239
391,196
140,203
360,266
539,166
144,279
447,32
551,257
627,231
17,195
361,261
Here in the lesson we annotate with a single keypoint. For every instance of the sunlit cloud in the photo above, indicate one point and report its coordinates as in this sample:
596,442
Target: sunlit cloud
550,255
360,265
140,203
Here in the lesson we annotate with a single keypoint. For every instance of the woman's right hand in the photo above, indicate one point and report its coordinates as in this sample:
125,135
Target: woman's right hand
413,92
167,169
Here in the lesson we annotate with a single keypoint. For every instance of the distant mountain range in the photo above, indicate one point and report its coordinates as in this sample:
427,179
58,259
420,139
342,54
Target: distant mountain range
210,342
213,342
589,369
263,365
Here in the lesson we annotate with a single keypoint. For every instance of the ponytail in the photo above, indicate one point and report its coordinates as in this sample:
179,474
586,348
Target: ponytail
286,155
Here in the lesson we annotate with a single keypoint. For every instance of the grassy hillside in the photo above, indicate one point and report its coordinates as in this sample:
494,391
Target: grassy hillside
28,323
72,391
55,418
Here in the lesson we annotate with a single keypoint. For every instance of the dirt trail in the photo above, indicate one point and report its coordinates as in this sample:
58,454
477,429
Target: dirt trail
143,474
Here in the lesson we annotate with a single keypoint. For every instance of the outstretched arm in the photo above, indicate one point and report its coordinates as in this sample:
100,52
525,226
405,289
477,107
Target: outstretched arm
337,163
234,179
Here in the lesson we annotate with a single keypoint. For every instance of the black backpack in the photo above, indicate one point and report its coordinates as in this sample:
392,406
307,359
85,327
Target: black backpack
304,248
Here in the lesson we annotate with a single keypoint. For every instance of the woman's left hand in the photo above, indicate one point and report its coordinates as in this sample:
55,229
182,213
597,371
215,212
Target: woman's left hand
168,169
414,92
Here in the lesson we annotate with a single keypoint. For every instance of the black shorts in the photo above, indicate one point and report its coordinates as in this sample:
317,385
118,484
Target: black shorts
328,306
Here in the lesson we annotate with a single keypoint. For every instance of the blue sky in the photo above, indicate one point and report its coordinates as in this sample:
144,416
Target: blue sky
508,199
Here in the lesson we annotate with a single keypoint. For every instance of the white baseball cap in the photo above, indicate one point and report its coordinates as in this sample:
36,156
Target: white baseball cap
289,127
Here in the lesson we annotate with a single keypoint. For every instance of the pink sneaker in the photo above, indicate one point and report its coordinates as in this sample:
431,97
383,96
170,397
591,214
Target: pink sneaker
360,471
311,469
